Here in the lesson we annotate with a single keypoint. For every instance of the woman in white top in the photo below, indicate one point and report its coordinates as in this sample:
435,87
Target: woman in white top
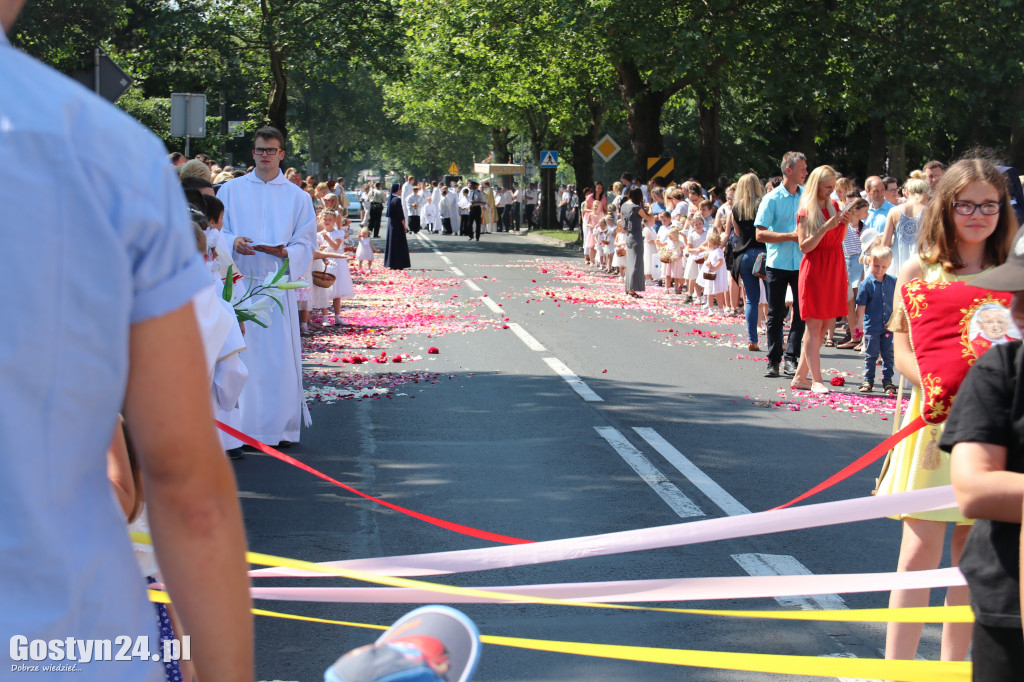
903,224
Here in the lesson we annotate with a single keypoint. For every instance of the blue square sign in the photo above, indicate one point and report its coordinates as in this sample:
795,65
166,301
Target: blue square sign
549,159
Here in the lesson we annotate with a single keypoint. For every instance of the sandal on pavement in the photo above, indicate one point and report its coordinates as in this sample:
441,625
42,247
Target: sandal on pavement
866,387
820,389
794,386
890,389
848,345
829,343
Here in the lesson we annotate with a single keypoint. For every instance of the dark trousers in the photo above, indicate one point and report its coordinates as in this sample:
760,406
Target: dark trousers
446,225
878,344
531,210
474,219
516,218
375,212
502,211
998,654
776,284
414,224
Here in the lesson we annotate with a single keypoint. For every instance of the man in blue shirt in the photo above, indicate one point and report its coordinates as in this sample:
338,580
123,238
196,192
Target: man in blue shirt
122,255
776,226
878,206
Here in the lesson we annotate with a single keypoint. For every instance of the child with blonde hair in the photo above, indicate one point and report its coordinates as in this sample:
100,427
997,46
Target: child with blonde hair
365,250
713,274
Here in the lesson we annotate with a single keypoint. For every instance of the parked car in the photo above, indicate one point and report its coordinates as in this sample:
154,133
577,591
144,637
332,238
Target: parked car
354,207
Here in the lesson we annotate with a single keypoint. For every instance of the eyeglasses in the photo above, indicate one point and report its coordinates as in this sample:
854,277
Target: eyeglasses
968,207
265,151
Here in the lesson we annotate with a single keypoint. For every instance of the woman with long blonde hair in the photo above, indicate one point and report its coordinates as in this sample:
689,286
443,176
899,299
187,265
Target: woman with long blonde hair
741,220
822,283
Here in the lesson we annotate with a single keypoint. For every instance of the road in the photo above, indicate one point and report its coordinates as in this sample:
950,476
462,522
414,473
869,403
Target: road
579,414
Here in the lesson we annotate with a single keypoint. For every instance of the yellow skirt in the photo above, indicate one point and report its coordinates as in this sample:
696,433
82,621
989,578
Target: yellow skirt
917,463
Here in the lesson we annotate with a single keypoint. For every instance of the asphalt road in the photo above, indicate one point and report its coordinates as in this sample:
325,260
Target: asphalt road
500,441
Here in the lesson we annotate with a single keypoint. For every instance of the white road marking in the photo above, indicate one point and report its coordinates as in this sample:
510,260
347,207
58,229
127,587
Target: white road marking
446,259
716,493
438,252
753,564
783,564
577,384
531,343
673,496
471,284
491,304
458,273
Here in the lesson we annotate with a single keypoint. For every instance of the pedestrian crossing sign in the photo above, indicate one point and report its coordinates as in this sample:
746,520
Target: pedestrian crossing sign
549,159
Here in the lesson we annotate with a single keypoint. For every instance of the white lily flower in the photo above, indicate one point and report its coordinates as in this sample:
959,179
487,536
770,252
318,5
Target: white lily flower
259,307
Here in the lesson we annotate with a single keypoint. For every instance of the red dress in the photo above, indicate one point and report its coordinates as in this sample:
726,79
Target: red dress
823,284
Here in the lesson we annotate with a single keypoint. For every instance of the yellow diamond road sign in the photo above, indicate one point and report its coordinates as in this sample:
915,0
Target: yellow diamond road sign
606,148
453,169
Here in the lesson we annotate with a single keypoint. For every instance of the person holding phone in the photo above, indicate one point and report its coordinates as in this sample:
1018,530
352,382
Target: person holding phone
822,280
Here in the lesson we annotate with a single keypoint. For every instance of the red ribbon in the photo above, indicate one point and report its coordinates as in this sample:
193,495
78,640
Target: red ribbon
447,525
873,455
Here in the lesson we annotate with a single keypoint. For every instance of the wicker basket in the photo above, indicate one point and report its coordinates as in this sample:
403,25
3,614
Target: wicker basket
667,255
620,252
324,280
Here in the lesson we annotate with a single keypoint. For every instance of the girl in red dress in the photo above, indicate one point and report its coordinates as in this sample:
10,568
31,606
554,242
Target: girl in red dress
822,284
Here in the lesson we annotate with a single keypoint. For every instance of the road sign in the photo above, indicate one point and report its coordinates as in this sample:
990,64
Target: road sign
453,169
188,115
606,148
549,159
105,78
660,167
236,128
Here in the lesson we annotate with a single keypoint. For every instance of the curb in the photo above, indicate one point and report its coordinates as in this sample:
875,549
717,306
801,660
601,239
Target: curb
548,241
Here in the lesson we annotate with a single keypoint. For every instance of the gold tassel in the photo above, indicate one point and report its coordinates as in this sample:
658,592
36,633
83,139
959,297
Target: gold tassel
932,459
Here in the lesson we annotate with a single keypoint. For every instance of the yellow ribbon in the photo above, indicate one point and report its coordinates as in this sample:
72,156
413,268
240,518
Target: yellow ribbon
822,666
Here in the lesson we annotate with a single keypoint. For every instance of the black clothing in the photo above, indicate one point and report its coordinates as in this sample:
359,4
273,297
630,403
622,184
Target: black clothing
474,218
635,280
376,209
989,408
396,250
776,284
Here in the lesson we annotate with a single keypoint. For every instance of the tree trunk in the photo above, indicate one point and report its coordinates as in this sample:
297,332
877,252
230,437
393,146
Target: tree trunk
643,116
1017,126
582,146
876,147
808,133
499,143
898,157
277,105
709,108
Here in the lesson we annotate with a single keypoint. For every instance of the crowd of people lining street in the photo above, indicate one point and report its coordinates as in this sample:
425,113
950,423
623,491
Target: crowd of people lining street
161,353
810,248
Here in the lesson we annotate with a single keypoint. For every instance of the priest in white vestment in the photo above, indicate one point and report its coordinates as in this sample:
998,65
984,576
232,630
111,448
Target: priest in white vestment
268,219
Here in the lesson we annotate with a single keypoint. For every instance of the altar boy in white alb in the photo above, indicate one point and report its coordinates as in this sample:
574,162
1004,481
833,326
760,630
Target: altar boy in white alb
268,219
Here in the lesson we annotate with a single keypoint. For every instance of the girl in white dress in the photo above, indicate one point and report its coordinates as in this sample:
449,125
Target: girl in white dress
619,262
651,261
695,244
365,250
332,252
673,270
715,265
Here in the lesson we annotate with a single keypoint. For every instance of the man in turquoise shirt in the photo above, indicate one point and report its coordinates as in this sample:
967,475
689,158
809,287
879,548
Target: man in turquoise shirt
878,206
776,227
